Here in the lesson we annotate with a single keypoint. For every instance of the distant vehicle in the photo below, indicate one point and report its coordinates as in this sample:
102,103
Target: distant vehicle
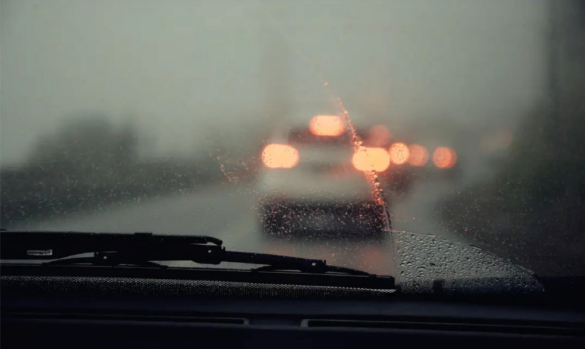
433,161
313,179
398,177
415,155
313,175
432,152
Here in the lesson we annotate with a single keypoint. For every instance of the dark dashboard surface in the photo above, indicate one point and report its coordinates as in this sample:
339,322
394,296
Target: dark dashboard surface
61,311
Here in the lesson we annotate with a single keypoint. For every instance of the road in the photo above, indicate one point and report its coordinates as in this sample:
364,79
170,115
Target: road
228,212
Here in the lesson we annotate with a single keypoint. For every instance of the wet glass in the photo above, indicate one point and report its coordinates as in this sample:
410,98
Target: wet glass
313,129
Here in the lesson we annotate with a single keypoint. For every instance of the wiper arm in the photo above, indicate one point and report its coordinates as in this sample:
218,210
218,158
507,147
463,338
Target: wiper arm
143,248
278,262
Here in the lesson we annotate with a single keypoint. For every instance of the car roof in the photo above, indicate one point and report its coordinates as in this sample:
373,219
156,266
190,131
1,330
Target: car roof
302,120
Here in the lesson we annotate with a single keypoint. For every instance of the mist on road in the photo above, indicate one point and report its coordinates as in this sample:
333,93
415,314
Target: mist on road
183,69
155,116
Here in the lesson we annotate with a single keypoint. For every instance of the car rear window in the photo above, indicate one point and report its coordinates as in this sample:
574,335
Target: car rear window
305,137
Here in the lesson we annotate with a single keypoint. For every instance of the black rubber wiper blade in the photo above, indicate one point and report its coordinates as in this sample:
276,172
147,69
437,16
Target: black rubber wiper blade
96,261
60,244
278,262
143,248
327,269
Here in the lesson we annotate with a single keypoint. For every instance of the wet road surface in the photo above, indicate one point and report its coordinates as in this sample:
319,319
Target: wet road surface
229,212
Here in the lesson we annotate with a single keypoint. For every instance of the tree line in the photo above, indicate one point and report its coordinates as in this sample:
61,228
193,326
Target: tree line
90,162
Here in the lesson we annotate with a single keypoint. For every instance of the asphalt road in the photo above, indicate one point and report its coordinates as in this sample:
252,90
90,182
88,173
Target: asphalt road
229,212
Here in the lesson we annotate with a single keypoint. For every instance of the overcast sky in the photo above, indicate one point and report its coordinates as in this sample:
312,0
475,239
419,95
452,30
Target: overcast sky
181,67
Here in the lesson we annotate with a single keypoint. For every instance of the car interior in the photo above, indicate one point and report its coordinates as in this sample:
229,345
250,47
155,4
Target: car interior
115,307
386,174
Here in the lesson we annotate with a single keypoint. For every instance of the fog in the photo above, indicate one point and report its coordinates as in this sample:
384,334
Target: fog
182,70
137,115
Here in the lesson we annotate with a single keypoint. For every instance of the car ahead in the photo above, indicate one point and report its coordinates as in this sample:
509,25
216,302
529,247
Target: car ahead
316,177
399,176
414,156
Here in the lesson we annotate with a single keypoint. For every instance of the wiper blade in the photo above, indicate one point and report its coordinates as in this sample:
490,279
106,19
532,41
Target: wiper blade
143,248
97,261
67,243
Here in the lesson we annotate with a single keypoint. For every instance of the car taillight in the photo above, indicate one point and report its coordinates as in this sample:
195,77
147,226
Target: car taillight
368,159
419,155
280,156
379,136
444,157
327,125
399,153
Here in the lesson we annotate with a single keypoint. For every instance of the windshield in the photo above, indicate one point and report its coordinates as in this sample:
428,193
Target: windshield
313,129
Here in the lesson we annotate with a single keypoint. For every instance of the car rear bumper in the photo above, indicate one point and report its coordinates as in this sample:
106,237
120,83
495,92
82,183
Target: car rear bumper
291,217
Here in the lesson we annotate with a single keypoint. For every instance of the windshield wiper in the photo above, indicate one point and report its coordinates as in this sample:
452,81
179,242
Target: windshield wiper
142,249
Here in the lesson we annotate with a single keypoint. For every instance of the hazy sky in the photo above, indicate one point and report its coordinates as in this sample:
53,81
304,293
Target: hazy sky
181,67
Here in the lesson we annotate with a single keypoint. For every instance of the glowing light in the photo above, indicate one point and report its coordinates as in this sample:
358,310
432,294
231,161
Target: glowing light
280,156
379,136
371,159
419,155
327,125
444,157
505,138
399,153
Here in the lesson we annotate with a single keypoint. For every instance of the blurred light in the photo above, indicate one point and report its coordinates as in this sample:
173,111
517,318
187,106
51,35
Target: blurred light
379,136
399,153
371,159
280,156
327,125
444,157
419,155
505,137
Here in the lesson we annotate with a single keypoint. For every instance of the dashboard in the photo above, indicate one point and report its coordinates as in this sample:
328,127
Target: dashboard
61,309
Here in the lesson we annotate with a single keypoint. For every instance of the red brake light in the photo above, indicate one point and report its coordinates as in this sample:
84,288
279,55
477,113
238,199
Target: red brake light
379,136
368,159
419,155
399,153
327,125
444,157
280,156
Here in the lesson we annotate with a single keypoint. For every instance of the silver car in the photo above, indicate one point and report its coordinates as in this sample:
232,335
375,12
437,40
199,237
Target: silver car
315,179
